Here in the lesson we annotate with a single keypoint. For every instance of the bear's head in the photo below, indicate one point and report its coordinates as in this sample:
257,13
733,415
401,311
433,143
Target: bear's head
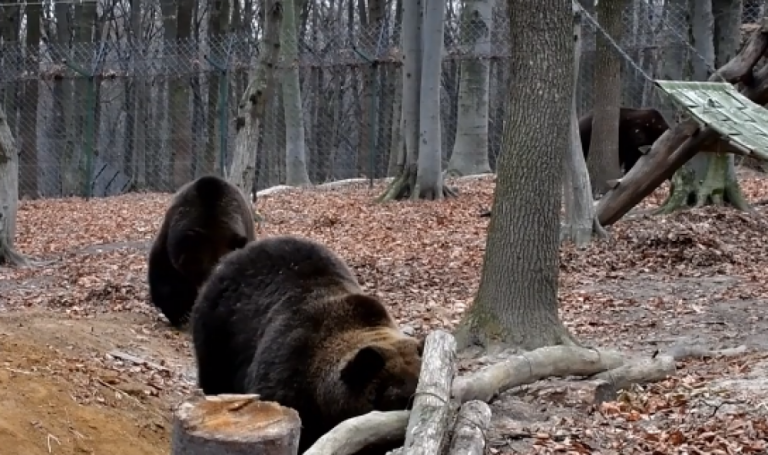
383,373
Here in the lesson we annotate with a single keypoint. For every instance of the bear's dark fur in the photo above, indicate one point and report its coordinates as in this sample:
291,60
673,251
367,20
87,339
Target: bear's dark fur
206,219
637,128
285,318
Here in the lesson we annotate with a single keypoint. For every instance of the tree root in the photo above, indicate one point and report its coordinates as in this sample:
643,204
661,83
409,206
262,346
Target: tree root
405,187
439,394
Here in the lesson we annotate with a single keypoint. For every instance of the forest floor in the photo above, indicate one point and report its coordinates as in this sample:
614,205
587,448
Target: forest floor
88,367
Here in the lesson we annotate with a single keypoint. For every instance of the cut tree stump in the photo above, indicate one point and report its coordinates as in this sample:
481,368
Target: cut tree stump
429,420
469,431
234,425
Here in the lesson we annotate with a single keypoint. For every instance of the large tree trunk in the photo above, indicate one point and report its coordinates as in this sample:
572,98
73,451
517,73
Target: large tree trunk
709,178
250,115
9,194
580,221
470,150
603,160
516,303
295,150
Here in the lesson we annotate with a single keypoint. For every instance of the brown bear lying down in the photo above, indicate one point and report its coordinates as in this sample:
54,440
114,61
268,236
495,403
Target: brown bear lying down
206,219
285,318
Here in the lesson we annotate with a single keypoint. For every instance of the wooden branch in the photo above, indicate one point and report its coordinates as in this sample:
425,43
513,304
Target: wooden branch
641,372
687,351
431,406
679,144
530,367
234,425
353,435
469,431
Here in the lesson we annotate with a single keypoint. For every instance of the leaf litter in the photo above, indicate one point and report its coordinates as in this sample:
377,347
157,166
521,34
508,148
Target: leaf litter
86,361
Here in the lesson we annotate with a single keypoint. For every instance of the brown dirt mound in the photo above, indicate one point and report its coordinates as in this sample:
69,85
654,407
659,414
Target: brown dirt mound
63,394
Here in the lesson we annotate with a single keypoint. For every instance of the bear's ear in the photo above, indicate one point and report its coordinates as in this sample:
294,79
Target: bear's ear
364,366
237,241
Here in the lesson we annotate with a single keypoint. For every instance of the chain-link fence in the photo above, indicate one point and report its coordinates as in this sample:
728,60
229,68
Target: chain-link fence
130,115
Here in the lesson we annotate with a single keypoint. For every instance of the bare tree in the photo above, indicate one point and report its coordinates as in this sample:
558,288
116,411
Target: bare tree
250,112
603,160
580,222
420,176
470,150
295,146
709,178
516,303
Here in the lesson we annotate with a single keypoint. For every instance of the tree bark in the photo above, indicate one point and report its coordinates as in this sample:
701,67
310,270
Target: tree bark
250,113
9,194
234,425
603,160
516,303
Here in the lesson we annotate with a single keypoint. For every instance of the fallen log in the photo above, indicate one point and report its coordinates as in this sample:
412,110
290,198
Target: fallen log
680,143
234,425
469,431
532,366
353,435
432,407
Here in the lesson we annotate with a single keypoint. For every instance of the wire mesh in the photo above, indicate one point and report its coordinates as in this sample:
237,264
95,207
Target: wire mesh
147,115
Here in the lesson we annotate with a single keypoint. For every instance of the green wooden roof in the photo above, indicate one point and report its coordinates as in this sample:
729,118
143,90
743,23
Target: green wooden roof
721,107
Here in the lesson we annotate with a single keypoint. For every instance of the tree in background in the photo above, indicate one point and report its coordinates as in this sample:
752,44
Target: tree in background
9,194
603,159
295,146
470,150
420,164
516,303
580,223
709,178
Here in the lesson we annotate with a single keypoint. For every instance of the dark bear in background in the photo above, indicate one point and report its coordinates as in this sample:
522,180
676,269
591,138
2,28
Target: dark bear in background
637,128
207,218
285,318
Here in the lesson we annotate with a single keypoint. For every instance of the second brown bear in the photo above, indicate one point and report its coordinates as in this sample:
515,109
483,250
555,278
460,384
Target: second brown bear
285,318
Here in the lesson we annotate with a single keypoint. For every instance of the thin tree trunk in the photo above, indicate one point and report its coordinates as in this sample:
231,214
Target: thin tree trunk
470,150
252,107
29,171
295,150
9,196
603,160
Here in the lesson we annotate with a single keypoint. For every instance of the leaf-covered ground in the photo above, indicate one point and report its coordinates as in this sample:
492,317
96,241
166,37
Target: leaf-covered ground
87,366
